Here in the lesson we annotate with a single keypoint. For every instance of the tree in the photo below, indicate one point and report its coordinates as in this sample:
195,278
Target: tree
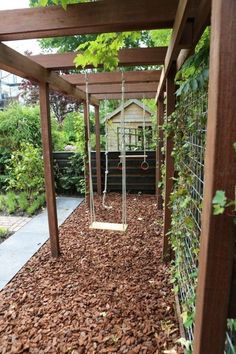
60,104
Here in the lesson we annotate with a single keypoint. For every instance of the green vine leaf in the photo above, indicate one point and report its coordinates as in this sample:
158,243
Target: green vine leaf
219,202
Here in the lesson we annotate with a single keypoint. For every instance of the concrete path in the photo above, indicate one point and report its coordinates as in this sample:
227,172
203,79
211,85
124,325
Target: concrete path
13,223
20,247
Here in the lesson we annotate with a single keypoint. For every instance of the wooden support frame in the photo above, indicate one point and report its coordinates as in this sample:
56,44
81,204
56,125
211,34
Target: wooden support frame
130,95
159,153
48,169
116,88
114,77
218,232
127,57
21,65
92,17
179,50
173,50
169,171
98,151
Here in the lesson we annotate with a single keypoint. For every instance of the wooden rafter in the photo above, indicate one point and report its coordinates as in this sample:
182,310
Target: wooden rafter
114,77
92,17
116,88
173,50
127,57
117,96
178,50
21,65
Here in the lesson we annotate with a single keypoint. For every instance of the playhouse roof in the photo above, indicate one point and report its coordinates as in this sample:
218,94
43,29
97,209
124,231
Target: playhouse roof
127,104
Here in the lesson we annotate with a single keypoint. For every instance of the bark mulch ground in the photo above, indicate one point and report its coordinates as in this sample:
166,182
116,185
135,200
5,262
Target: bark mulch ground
108,293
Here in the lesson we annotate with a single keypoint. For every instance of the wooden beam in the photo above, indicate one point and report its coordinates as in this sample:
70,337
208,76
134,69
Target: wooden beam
159,153
173,50
201,21
127,57
48,169
21,65
117,96
218,232
92,17
114,77
116,88
169,173
98,151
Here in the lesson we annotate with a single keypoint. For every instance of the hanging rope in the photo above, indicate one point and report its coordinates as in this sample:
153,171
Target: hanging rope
91,194
123,154
106,161
144,164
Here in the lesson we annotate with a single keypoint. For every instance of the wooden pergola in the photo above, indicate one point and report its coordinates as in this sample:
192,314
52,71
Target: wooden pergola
188,19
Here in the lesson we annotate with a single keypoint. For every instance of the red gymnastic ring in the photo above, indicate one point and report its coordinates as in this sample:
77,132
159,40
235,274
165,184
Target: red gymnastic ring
119,166
144,166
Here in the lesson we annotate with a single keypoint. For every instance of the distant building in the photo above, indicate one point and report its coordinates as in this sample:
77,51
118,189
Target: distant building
134,137
9,88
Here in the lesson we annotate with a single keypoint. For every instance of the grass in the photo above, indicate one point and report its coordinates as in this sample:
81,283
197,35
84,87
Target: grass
12,203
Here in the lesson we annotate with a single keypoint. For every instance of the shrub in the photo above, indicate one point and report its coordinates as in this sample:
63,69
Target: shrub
10,202
71,178
3,232
23,201
19,124
37,203
2,202
26,170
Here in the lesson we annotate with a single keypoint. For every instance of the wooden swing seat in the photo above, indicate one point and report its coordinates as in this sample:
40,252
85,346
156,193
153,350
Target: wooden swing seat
108,226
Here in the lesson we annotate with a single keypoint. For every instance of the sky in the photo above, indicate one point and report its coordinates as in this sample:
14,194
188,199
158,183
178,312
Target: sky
20,46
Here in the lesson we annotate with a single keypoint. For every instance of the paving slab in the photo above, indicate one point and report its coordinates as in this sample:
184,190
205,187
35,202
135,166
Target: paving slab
13,223
20,247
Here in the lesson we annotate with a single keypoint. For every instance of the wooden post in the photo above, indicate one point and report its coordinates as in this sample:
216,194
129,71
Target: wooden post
98,151
170,107
159,153
218,232
48,169
86,157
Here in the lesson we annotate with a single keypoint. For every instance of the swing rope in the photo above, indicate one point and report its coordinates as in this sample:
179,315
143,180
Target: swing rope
91,194
123,154
144,164
106,162
104,225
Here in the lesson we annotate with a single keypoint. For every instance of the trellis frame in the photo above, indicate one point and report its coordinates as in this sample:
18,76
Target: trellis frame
188,21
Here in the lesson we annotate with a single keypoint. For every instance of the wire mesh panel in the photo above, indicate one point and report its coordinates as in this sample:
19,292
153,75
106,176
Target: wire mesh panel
189,121
189,149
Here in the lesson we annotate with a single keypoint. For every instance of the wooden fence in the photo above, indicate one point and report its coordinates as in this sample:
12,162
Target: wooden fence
137,179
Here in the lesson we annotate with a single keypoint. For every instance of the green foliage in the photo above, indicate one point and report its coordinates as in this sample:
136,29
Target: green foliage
37,203
23,201
19,124
10,202
161,37
71,178
26,170
195,72
104,50
219,202
3,233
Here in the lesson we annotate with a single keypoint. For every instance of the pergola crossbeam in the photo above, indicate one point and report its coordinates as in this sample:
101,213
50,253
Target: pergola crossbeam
126,56
114,77
116,88
87,18
129,95
21,65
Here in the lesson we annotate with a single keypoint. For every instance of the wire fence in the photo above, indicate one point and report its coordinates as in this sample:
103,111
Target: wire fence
189,151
